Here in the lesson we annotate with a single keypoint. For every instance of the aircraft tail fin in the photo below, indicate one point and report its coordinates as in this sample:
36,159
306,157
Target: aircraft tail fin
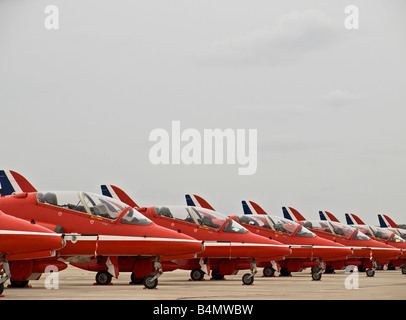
250,207
386,222
325,215
196,201
292,214
353,219
13,182
116,193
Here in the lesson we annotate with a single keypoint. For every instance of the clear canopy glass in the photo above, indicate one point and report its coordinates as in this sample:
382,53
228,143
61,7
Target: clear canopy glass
335,228
201,216
380,233
92,204
276,223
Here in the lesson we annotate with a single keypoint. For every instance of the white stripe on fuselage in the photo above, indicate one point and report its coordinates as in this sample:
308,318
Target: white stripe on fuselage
19,232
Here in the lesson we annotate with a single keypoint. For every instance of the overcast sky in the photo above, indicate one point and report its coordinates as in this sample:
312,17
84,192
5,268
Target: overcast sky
77,104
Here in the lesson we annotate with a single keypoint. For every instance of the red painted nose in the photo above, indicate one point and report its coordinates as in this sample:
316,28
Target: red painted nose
323,248
21,236
259,247
381,250
168,242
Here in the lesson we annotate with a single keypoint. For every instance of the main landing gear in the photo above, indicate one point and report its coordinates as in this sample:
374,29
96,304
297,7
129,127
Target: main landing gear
317,271
150,281
248,278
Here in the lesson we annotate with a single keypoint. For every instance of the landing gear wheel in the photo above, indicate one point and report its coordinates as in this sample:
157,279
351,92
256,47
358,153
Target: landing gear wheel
316,276
1,287
247,279
284,272
103,278
370,272
136,280
268,272
19,284
216,275
196,274
329,269
149,283
403,269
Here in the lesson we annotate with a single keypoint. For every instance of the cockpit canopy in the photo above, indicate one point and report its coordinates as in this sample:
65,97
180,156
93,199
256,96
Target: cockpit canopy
401,233
92,204
380,233
335,228
201,216
277,224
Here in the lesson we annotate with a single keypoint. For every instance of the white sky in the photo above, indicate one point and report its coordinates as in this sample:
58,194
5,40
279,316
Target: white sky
77,104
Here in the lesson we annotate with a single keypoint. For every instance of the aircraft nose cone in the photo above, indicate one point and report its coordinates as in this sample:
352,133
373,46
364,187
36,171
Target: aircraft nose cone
260,247
175,243
324,248
385,251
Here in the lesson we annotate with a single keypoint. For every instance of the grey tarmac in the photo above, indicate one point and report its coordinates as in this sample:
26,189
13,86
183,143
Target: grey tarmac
78,284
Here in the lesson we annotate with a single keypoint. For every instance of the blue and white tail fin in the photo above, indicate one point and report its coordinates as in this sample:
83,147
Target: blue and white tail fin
196,201
13,182
116,193
250,207
353,219
386,222
292,214
325,215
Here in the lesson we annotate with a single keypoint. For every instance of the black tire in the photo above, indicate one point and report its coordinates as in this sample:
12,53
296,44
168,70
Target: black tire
370,272
196,274
329,269
316,276
247,279
216,275
103,278
19,284
403,269
1,287
284,272
149,283
136,280
268,272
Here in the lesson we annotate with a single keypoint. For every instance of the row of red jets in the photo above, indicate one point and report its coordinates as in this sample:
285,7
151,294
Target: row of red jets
110,233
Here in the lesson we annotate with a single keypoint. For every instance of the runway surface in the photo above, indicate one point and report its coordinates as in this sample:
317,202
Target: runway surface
78,284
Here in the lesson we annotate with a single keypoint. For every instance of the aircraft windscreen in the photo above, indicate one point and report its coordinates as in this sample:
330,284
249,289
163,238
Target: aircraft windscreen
134,217
402,233
259,221
360,236
86,202
283,225
200,216
322,226
385,234
342,230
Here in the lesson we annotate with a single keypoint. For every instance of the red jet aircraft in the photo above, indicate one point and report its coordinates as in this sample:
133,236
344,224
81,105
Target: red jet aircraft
386,222
308,250
104,233
229,247
25,243
366,251
383,235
